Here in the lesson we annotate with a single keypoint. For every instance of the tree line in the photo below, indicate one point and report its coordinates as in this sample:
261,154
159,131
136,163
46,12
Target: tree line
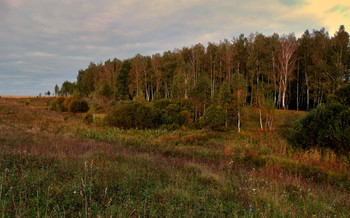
289,72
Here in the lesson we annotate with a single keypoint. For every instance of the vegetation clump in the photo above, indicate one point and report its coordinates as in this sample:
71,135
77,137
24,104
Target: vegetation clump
325,126
133,116
78,106
328,125
57,104
214,118
69,104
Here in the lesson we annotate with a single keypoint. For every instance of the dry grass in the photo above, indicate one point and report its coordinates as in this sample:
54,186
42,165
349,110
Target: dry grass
52,164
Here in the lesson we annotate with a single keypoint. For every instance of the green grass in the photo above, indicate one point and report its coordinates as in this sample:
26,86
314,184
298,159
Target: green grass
51,164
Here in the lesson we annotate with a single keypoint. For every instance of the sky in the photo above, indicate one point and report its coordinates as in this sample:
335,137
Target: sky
45,42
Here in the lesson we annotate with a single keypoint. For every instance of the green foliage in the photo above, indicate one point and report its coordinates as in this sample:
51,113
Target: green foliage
78,106
200,93
67,88
139,97
269,111
341,95
106,91
142,115
225,97
57,90
123,81
57,104
178,112
214,118
161,104
239,87
70,104
325,126
157,96
134,115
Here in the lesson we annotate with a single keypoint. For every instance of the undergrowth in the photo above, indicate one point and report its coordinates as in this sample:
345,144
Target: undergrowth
52,164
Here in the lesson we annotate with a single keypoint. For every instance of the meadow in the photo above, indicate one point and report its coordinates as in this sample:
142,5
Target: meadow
53,165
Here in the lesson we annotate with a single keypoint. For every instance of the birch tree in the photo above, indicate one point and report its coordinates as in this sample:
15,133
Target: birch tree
286,59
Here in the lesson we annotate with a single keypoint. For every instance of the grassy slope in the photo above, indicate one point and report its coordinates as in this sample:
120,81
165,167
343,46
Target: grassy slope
53,165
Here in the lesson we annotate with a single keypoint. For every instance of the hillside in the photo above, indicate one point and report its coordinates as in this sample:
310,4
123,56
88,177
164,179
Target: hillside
52,164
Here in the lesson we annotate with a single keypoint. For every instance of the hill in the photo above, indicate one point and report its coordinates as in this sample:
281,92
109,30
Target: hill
52,164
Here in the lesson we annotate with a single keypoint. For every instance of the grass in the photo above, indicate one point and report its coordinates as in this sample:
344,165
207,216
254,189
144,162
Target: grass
51,164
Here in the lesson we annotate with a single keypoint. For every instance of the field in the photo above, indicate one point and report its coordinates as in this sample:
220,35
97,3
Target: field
53,165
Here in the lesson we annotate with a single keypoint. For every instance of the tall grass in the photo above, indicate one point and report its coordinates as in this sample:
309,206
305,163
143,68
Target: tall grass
51,166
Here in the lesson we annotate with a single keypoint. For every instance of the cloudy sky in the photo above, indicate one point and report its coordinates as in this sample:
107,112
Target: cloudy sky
44,42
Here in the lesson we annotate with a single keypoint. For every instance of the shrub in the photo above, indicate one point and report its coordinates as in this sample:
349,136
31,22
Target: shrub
78,106
214,118
67,102
57,104
341,95
325,126
134,115
161,104
178,113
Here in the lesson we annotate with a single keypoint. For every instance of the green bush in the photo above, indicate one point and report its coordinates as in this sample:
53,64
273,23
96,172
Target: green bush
134,115
325,126
178,112
78,106
341,95
161,104
57,104
214,118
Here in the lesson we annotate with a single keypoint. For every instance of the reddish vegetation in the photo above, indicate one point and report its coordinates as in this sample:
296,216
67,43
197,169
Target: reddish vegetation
186,169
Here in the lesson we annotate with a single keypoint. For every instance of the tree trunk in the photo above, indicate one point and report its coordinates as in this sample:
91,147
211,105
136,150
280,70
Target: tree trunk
284,96
261,125
279,93
307,92
298,86
226,119
239,121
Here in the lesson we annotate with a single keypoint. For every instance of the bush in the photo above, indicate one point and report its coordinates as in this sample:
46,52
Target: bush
325,126
78,106
67,102
57,104
134,115
214,118
341,95
161,104
177,112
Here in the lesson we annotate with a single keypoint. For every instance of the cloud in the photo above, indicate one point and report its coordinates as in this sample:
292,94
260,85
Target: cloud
292,2
47,42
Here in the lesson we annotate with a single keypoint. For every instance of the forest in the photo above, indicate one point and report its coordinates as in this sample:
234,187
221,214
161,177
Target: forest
295,73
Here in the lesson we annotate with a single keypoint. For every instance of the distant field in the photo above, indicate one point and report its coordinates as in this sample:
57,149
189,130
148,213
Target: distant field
54,165
23,96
